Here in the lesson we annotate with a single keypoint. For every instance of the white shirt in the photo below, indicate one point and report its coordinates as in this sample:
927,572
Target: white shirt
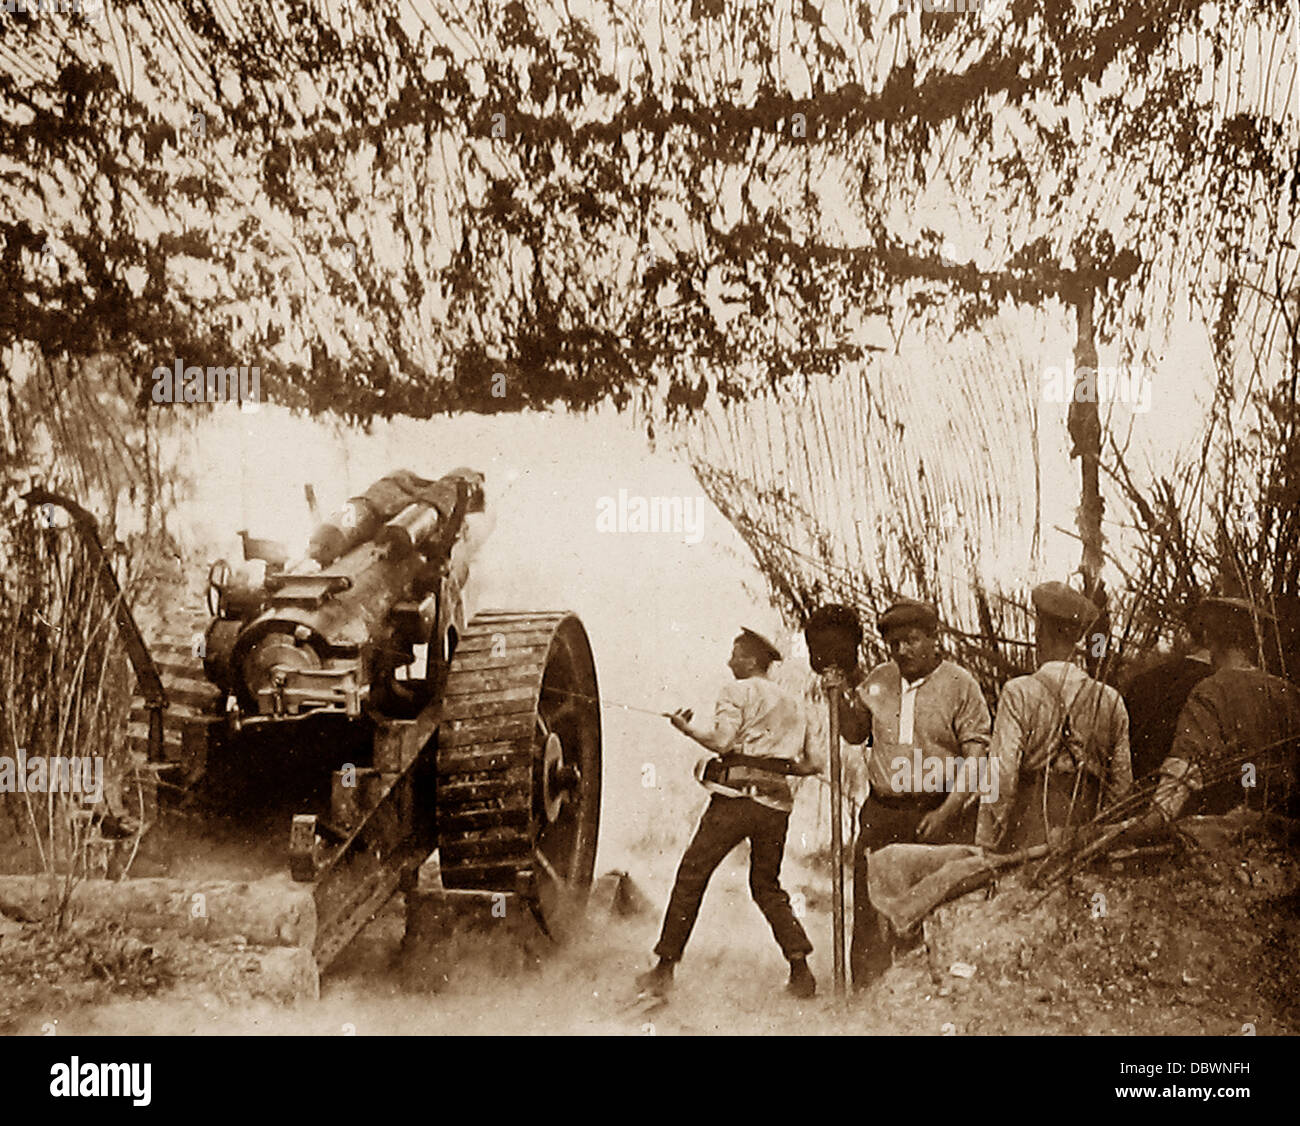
907,707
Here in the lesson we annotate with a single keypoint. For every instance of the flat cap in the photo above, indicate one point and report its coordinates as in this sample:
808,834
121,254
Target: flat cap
1218,613
908,612
760,643
1064,604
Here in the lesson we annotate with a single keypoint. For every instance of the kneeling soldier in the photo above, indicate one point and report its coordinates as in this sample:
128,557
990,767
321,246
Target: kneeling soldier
761,735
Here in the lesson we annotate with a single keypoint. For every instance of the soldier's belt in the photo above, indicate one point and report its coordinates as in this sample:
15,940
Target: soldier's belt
713,775
783,766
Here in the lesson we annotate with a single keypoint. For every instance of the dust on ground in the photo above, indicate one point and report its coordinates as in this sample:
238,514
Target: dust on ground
1203,945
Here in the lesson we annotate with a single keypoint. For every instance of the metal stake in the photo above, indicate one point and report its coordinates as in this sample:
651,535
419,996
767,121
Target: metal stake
832,682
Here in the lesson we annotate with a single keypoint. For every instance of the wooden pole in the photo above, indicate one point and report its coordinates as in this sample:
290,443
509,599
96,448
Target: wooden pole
1084,424
833,681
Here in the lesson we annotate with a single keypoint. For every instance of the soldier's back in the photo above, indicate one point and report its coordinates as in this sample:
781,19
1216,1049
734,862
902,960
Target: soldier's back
1243,725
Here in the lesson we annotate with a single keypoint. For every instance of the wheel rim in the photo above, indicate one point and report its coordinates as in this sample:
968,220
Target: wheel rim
519,761
568,721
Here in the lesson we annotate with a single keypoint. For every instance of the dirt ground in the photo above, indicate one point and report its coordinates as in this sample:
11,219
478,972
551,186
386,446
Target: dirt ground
1206,945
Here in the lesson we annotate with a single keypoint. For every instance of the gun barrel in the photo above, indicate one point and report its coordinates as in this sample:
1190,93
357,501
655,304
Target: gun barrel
355,523
319,637
415,528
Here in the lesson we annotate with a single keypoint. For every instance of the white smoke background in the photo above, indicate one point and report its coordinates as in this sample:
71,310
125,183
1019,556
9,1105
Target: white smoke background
661,613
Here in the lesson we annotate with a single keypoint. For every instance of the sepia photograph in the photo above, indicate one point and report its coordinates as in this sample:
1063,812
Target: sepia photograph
650,518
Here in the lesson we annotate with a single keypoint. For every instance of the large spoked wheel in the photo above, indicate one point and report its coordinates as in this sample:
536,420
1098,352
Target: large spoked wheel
519,762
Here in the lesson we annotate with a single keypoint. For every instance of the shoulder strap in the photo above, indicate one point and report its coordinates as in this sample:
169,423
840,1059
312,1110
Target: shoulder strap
1064,730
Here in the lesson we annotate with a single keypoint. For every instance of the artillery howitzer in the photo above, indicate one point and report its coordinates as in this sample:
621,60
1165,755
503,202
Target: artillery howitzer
346,707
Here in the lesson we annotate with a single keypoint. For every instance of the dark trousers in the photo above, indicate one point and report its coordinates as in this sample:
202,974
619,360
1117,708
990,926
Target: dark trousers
727,822
883,823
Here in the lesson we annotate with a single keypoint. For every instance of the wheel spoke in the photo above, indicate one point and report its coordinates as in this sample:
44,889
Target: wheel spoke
559,716
545,862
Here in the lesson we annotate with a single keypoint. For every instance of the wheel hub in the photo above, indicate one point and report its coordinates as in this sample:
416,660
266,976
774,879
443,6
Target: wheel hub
559,779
